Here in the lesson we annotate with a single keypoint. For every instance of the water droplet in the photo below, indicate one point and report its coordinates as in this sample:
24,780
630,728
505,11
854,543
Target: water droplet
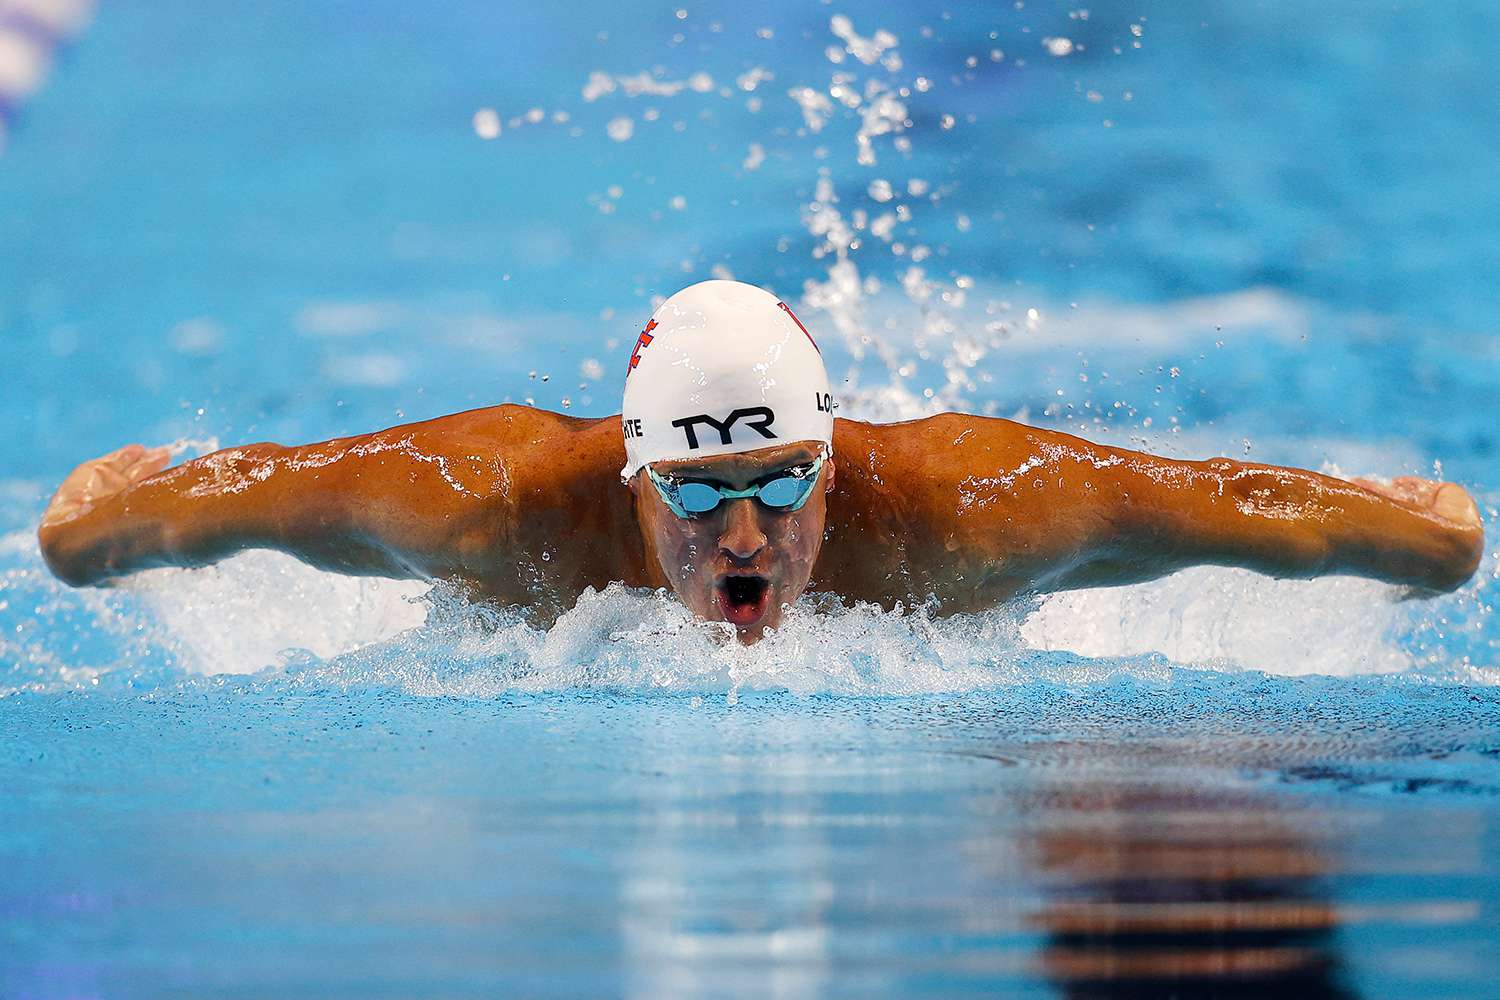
487,123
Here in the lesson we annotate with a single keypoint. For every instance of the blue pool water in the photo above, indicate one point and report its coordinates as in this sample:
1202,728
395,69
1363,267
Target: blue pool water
1234,229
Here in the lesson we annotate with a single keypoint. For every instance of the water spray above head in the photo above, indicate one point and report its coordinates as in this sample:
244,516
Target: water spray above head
722,368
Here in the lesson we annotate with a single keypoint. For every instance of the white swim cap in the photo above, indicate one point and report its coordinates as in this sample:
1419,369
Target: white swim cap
722,368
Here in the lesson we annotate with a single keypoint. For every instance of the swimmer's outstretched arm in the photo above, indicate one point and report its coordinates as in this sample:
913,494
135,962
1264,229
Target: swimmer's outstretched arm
1045,511
335,505
1289,523
438,499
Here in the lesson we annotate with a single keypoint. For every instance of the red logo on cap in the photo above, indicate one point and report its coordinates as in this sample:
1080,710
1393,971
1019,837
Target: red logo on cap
788,310
644,340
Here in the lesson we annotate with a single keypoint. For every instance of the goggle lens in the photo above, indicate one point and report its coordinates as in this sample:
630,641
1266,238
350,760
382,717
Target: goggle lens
690,499
785,491
697,498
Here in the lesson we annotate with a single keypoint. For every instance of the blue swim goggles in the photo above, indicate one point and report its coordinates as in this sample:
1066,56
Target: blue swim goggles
788,491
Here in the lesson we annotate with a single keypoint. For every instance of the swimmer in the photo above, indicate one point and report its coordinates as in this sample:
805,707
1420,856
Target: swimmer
727,479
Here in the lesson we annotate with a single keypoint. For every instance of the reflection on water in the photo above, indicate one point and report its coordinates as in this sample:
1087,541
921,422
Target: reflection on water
1155,893
1154,882
991,860
1110,840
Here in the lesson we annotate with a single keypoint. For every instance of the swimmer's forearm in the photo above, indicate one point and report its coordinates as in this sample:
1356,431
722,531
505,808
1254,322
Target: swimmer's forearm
210,508
1293,523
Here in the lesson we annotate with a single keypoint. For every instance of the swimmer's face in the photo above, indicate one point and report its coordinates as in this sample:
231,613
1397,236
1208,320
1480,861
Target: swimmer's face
741,562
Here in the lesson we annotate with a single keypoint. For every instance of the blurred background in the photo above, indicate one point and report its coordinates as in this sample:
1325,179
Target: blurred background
1223,228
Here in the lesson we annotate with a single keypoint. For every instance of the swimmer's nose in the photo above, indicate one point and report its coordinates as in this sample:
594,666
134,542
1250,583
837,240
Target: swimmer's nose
742,538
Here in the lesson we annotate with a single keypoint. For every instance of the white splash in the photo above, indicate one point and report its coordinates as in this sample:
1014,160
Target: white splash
643,84
1233,618
815,105
867,50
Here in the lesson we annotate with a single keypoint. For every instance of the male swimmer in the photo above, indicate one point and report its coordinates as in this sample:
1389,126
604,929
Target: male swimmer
741,491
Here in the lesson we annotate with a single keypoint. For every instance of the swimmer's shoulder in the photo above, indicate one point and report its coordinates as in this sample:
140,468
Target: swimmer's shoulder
926,446
903,526
528,447
905,476
512,425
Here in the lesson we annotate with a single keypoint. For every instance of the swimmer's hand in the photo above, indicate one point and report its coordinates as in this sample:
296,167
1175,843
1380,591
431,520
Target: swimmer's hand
1452,506
1449,501
100,478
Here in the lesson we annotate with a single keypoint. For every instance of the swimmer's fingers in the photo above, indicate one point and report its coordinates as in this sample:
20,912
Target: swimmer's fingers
1408,489
1449,501
1452,502
104,477
150,462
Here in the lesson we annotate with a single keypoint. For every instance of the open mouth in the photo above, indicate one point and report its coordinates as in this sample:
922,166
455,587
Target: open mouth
743,599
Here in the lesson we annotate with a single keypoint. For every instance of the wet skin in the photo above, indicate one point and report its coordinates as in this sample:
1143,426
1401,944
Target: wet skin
524,506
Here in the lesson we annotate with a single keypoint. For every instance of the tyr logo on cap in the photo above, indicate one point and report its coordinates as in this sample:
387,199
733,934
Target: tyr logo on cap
762,423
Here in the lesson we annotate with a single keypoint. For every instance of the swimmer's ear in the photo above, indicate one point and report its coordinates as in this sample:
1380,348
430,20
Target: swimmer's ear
828,485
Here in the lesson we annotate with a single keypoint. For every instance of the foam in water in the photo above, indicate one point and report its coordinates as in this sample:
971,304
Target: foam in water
263,611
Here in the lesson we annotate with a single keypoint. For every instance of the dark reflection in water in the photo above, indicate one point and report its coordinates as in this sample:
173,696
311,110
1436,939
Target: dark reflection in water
1154,893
